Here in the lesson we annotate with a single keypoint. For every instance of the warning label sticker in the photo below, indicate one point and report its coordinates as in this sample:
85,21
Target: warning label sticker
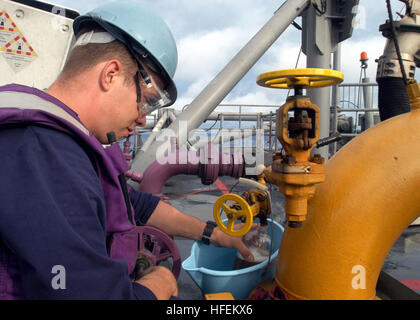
8,28
19,45
6,23
14,47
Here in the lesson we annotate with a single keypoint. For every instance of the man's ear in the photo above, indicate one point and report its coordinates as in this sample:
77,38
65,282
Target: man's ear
110,72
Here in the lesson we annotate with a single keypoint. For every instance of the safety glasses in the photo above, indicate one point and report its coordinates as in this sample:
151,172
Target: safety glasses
154,96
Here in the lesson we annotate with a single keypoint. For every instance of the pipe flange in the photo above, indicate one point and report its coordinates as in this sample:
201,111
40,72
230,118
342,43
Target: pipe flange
208,173
389,67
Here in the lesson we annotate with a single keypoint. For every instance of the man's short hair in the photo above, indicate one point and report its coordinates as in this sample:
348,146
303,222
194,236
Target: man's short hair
83,58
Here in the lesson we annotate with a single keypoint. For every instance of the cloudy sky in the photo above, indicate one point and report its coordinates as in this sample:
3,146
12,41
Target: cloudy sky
210,32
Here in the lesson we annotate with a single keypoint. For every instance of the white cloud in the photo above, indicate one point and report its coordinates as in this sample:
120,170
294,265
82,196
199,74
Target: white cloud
190,93
262,97
203,55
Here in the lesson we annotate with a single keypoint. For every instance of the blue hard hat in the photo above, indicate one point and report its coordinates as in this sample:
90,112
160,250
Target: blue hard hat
142,30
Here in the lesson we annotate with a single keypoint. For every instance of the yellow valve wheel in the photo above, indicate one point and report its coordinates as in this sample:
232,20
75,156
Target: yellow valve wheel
304,78
235,208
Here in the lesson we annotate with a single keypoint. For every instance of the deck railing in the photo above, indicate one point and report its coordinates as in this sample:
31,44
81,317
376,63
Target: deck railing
353,111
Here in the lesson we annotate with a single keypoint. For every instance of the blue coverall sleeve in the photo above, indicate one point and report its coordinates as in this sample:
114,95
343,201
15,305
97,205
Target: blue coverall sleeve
144,204
53,218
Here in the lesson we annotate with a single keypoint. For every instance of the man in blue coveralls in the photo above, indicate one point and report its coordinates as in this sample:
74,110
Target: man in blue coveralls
62,204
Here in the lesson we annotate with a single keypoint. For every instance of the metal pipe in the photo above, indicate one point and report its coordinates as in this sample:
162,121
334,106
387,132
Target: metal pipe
270,135
370,84
155,132
137,142
259,121
235,116
208,164
172,115
336,95
225,135
317,40
357,110
356,215
349,134
398,63
240,117
225,81
238,105
276,141
367,98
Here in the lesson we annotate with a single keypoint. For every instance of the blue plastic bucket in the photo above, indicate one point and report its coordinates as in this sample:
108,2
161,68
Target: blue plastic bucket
211,267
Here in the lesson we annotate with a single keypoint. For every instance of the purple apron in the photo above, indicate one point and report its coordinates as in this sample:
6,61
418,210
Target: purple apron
22,104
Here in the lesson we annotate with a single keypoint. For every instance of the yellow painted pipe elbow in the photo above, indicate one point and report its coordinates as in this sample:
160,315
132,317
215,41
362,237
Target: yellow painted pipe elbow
370,196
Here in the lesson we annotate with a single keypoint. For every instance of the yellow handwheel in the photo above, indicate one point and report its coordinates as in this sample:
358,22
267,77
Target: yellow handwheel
235,208
304,78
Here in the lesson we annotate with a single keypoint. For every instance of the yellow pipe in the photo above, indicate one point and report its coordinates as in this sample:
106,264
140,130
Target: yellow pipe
370,196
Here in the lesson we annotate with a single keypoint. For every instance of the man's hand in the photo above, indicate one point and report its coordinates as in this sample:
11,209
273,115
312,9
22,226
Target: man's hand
176,223
221,239
161,281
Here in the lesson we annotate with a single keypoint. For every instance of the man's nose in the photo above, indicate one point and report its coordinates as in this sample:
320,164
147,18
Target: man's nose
141,120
